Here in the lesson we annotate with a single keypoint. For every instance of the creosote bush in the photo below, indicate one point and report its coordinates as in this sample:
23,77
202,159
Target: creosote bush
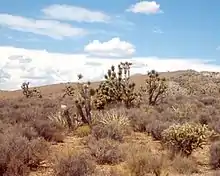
186,138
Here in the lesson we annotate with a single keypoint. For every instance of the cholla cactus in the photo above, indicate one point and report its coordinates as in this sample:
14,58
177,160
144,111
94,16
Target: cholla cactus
186,137
155,87
83,94
30,93
116,87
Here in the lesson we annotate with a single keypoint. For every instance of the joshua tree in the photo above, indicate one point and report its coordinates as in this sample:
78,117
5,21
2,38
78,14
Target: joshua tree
155,87
83,94
30,93
116,88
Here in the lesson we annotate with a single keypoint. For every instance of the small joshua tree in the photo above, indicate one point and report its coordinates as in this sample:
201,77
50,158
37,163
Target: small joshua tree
83,94
30,93
116,87
155,87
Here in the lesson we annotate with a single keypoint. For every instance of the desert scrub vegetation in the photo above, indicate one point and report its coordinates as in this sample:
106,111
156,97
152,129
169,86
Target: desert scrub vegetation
176,110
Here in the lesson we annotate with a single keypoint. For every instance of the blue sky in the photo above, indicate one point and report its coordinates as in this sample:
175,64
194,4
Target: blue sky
185,34
190,28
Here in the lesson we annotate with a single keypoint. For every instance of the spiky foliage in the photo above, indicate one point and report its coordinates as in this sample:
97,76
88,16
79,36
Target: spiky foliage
30,93
116,88
155,87
83,102
186,137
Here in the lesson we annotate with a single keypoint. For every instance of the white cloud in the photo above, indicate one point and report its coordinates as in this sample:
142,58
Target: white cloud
218,48
112,48
53,29
145,7
41,67
74,13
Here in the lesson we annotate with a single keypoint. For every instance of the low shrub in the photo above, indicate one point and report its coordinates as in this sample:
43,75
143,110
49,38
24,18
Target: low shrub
78,164
215,155
155,128
141,161
106,151
83,131
184,165
48,130
18,155
186,138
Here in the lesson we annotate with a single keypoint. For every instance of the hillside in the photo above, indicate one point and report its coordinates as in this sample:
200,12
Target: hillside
138,140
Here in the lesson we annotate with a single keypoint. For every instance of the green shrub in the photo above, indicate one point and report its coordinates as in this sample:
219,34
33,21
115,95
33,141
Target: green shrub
186,137
83,131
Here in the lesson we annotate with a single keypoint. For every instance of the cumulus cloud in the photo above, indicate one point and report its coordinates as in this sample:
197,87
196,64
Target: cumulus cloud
74,13
41,67
145,7
112,48
50,28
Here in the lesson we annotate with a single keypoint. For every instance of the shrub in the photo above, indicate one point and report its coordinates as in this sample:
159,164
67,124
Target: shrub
156,127
141,162
48,130
78,164
18,155
138,119
215,155
83,131
108,172
184,165
106,151
112,125
186,137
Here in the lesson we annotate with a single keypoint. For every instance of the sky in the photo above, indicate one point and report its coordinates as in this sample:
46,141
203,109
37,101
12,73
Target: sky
51,41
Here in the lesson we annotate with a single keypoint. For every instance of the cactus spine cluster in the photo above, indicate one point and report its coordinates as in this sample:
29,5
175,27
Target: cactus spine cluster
116,88
30,93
